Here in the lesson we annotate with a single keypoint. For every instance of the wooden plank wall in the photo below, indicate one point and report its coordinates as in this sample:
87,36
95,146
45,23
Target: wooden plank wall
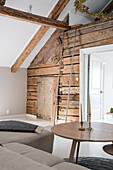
94,35
32,95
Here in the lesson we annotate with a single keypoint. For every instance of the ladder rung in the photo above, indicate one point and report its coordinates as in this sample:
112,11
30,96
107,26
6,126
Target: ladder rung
68,115
68,46
62,95
62,106
72,30
65,106
67,75
64,85
66,95
67,56
67,86
68,37
62,66
61,115
65,32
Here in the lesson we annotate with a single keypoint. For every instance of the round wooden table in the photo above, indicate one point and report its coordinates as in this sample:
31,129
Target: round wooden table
108,149
101,132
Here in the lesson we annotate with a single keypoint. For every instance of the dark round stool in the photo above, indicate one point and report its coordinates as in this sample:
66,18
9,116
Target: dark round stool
108,149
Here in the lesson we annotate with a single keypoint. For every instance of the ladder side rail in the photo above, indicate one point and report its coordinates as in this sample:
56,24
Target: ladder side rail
70,77
58,80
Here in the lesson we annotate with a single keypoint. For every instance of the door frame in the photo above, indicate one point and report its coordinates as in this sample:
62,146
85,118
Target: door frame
83,77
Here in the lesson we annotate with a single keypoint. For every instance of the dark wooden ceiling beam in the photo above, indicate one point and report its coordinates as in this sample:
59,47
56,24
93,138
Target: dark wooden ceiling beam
35,19
109,8
2,2
38,36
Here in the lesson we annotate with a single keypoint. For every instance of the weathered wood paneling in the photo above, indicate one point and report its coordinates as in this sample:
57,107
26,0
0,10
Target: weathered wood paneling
71,112
72,97
90,38
69,118
51,49
72,104
73,90
32,92
74,81
52,70
32,81
97,35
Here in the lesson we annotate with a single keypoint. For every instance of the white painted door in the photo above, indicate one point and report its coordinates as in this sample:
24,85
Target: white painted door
96,88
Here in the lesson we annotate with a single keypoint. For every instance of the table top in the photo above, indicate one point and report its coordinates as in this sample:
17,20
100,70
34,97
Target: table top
102,132
108,149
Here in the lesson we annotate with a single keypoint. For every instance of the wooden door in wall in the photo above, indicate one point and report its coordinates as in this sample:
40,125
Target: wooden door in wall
45,98
96,88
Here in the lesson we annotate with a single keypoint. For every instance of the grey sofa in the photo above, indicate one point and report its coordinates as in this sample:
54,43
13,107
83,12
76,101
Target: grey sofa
15,156
43,141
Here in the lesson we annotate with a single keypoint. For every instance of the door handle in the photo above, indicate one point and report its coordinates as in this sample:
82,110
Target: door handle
101,91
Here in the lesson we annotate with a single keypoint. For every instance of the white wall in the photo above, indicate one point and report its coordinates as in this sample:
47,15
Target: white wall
107,58
12,91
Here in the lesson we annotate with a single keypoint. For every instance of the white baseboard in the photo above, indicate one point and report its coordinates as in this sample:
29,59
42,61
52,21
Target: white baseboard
11,116
17,116
33,116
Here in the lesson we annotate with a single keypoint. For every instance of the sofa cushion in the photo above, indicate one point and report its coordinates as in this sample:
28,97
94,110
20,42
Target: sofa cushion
67,166
43,141
34,154
12,161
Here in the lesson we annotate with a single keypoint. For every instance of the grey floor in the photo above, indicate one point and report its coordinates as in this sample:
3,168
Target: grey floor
62,146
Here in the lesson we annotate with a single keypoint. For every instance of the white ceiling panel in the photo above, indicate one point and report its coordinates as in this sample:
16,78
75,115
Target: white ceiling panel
15,35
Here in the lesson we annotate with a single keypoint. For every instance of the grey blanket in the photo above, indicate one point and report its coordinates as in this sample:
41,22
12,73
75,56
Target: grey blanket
17,126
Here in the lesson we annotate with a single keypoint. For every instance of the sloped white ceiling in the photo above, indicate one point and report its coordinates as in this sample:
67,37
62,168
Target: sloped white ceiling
15,35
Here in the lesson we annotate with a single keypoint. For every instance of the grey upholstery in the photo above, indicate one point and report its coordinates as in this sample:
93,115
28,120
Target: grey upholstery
16,156
43,141
13,161
34,154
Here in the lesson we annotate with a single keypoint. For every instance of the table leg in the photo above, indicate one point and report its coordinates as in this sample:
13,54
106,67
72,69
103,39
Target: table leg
73,147
78,147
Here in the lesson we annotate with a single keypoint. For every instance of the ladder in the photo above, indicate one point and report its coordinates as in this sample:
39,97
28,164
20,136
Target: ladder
60,75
